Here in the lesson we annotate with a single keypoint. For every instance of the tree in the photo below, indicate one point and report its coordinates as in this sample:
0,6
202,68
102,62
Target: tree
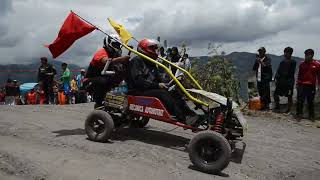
217,75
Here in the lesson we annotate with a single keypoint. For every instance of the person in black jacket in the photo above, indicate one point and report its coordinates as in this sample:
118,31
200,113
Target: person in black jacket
263,69
46,75
285,79
175,57
144,80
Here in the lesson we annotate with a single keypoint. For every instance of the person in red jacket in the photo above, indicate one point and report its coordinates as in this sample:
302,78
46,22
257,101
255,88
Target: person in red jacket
32,97
111,57
309,72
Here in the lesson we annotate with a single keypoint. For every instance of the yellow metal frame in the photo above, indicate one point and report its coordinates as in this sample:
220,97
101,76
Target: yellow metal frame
184,71
171,75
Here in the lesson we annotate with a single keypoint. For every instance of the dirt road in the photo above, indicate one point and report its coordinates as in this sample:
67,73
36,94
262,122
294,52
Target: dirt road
49,142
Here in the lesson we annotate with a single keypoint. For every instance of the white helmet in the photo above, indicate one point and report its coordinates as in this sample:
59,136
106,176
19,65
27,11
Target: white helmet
113,45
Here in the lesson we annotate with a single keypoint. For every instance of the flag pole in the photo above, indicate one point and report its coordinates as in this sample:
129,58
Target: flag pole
97,27
156,62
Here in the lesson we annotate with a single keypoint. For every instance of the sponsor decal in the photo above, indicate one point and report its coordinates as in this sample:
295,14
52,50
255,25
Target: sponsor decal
134,107
154,111
146,110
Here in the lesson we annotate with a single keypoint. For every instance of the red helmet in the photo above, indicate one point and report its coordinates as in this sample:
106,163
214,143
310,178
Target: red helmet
149,48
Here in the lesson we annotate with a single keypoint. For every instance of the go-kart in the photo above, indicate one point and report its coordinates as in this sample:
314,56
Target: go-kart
221,124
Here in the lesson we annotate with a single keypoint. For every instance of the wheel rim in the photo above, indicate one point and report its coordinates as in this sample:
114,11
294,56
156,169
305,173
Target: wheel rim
97,126
208,151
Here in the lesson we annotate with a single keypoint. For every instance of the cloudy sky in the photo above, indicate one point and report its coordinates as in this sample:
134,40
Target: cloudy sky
240,25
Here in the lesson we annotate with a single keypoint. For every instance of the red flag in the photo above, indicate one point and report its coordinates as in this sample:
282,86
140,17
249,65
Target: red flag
72,29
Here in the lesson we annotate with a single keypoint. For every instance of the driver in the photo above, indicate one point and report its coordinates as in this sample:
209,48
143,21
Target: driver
144,80
107,58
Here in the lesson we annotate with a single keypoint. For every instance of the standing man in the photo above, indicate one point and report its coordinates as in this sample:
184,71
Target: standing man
185,63
81,93
74,90
80,78
309,72
46,75
263,69
65,79
285,79
16,92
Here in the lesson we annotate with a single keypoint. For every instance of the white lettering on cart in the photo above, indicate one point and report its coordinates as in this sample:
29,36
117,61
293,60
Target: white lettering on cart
134,107
154,111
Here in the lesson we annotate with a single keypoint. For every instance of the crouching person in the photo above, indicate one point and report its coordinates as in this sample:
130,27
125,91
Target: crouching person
109,55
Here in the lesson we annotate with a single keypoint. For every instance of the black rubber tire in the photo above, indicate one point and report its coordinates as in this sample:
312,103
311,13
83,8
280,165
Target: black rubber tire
218,143
139,123
104,132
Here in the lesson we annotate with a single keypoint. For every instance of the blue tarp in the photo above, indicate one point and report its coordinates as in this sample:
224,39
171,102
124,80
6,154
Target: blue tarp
26,87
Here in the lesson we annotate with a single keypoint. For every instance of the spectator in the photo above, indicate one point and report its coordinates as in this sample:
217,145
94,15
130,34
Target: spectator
309,72
10,98
285,79
31,97
55,89
263,69
74,90
2,96
80,78
175,57
65,79
168,53
16,92
42,96
184,63
162,72
46,75
161,52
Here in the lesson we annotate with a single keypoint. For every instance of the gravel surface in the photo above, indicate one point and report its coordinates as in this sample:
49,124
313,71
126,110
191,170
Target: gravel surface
49,142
